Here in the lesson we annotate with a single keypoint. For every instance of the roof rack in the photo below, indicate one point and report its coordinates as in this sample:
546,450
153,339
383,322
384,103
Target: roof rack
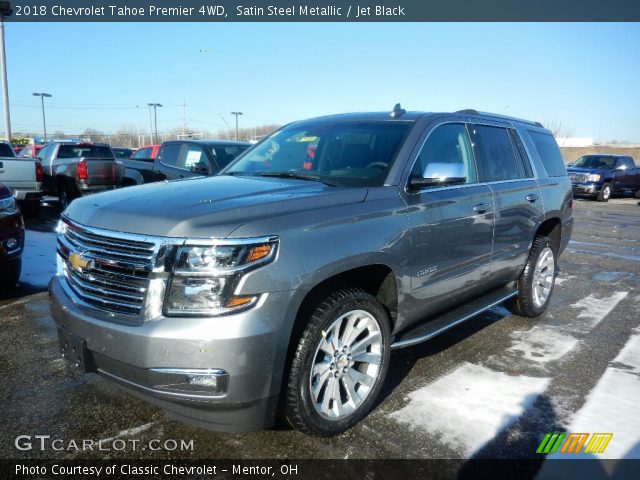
471,111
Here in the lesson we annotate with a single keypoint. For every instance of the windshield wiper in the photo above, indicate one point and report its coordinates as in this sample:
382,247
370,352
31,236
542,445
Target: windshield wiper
296,176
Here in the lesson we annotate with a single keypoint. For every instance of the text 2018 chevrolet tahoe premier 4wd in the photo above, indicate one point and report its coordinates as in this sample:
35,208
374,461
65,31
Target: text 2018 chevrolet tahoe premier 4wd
286,280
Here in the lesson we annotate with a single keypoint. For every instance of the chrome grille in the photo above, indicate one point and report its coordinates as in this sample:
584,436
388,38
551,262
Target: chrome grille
578,177
107,270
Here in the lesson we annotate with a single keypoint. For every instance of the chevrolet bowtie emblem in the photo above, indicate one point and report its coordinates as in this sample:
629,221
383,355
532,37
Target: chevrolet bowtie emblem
80,264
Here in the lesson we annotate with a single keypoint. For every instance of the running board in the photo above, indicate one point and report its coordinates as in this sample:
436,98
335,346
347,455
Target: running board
451,318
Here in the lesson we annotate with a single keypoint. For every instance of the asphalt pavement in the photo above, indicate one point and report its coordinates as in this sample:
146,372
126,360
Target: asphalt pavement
490,388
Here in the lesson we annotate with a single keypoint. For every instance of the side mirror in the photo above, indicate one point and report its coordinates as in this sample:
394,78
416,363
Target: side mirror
570,164
439,174
417,183
199,167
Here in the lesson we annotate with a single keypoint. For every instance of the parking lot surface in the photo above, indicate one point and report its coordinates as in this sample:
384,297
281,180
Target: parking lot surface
490,388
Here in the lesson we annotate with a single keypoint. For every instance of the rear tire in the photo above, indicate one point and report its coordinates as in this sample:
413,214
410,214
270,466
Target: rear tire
536,282
65,196
605,193
11,273
339,364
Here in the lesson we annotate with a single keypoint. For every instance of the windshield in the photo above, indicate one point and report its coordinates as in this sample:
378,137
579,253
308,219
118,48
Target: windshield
593,161
337,153
86,151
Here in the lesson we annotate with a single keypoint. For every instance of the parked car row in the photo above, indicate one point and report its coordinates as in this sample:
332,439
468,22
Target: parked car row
70,170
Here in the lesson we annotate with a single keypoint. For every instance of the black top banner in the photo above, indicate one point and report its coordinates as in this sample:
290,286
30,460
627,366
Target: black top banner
327,11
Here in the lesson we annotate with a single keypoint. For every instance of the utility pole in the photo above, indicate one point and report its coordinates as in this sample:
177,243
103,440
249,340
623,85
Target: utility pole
184,117
155,117
42,96
237,114
5,11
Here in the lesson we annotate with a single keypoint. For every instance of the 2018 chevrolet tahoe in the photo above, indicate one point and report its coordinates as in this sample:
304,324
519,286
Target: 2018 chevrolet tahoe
283,283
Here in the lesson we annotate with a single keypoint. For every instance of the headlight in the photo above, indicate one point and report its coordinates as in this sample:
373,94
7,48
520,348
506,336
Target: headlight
594,177
8,205
206,275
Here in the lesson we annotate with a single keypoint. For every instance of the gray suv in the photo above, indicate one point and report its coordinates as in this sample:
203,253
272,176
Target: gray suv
282,284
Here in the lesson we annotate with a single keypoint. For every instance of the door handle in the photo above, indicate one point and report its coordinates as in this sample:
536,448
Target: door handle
532,197
481,207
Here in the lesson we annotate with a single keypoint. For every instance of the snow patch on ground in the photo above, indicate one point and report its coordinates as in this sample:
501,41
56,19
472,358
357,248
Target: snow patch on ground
542,344
595,310
39,258
612,407
470,406
629,357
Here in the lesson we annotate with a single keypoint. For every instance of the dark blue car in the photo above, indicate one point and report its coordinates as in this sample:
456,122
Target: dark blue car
601,176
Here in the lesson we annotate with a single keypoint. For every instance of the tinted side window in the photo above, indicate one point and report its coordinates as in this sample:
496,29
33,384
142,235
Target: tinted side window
6,150
142,153
494,153
522,159
446,153
626,161
549,153
169,154
225,153
191,155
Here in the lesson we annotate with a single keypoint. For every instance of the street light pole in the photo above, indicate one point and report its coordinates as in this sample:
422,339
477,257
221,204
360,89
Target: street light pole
5,11
44,120
155,118
237,114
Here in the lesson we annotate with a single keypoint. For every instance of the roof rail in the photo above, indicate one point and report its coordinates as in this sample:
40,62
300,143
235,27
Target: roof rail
471,111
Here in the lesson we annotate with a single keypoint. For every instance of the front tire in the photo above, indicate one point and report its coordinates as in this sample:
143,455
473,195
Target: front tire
605,193
339,364
536,282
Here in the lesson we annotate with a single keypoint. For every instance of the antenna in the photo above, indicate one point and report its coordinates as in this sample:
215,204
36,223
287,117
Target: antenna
397,111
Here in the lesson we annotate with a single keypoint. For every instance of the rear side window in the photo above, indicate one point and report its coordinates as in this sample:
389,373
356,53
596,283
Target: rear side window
225,153
86,151
549,153
170,153
627,162
494,153
6,150
142,153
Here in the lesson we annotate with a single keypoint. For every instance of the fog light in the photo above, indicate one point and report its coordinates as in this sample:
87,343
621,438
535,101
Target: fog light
197,381
204,380
11,243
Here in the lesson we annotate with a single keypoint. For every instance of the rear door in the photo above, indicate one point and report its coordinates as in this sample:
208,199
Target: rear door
451,226
625,174
502,164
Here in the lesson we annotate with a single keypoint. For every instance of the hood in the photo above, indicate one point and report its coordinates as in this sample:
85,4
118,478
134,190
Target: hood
586,170
205,207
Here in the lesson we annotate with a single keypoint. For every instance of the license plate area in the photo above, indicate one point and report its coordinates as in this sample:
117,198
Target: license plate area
74,350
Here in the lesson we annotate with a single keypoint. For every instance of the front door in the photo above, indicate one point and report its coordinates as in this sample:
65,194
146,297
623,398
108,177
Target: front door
451,225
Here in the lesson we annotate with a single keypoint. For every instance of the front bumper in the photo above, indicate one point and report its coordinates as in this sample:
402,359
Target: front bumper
247,347
586,188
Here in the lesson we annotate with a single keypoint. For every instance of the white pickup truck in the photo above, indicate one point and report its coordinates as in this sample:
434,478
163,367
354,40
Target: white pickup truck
24,177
